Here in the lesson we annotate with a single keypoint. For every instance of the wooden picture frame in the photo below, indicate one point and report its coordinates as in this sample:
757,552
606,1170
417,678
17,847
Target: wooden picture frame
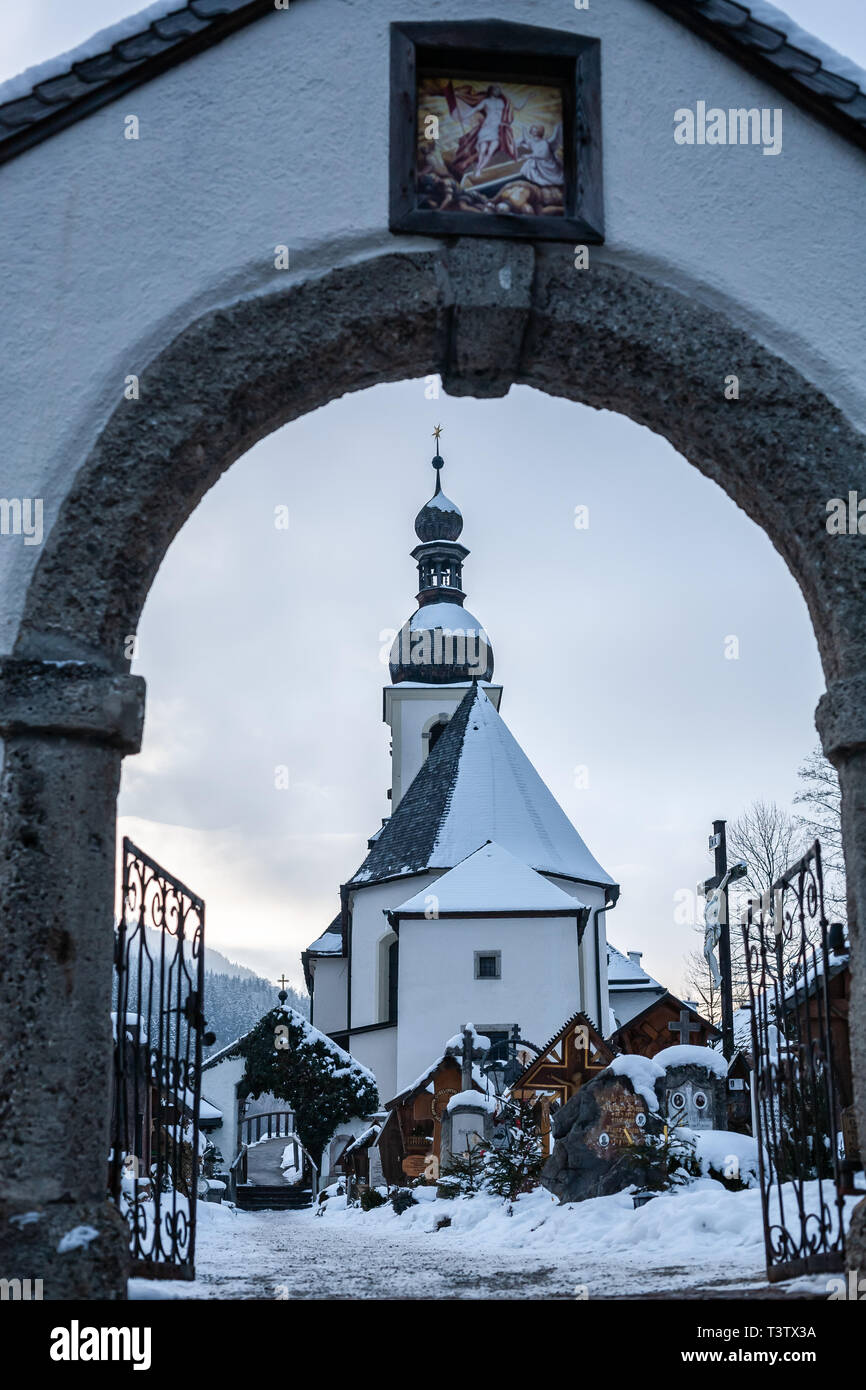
515,55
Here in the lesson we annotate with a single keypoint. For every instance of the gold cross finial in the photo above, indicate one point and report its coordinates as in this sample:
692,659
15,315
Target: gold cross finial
437,430
282,981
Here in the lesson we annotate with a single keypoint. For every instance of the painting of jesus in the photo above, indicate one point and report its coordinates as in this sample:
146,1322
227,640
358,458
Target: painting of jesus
490,147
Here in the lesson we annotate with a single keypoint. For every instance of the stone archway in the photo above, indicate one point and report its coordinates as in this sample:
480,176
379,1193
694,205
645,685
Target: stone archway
486,315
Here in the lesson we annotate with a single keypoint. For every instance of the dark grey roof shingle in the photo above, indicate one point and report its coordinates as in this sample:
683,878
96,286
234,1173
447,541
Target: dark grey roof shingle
407,840
764,48
94,82
729,25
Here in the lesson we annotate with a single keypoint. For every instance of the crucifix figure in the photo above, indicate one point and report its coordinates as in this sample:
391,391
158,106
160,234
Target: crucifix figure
685,1027
717,933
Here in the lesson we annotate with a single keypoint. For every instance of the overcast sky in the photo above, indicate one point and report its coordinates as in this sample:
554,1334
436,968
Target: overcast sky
262,647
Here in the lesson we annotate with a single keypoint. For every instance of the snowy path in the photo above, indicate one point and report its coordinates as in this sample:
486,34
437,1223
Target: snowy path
263,1162
703,1244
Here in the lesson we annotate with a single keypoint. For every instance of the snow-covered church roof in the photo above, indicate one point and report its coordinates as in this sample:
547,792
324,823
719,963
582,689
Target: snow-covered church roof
478,785
490,880
330,943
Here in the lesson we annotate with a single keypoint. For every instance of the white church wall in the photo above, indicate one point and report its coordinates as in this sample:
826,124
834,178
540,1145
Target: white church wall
330,981
378,1051
219,1086
538,986
370,929
118,244
595,1004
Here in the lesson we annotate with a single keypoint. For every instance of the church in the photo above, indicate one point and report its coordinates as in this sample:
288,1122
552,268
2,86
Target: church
478,899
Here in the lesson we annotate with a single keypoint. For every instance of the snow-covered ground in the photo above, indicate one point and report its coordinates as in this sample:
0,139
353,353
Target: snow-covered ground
700,1241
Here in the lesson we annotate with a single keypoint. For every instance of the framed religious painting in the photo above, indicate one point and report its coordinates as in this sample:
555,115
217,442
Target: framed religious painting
495,131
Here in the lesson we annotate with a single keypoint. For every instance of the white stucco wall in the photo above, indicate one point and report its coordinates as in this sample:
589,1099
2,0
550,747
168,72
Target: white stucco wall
538,987
627,1003
369,926
330,978
378,1051
219,1086
592,1003
280,135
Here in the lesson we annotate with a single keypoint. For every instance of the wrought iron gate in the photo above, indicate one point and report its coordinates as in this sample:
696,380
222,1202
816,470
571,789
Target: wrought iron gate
795,1107
158,1037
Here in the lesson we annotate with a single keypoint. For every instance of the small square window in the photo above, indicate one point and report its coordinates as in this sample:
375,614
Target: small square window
487,965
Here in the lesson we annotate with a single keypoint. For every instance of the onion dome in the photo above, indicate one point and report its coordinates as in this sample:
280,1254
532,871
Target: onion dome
442,642
440,519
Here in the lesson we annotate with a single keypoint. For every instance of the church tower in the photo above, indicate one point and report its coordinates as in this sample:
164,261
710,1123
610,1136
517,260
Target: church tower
477,898
440,650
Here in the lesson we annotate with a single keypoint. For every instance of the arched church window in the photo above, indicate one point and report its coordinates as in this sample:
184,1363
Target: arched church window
393,950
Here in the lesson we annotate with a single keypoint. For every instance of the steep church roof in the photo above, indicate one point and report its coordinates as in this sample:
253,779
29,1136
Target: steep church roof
490,881
478,785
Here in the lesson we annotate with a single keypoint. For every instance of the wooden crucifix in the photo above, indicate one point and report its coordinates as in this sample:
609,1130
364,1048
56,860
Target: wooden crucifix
685,1027
718,886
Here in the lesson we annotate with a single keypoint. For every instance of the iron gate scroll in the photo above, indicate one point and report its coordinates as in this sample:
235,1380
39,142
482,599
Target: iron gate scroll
158,1037
795,1108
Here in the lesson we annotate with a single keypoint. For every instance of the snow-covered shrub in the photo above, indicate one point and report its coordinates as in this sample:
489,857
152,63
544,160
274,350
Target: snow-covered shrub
402,1200
370,1198
667,1160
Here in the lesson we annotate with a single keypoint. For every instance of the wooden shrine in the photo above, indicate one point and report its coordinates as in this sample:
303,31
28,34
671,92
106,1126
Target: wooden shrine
666,1022
412,1134
573,1056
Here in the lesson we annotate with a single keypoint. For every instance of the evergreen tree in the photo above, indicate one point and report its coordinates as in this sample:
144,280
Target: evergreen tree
514,1166
289,1059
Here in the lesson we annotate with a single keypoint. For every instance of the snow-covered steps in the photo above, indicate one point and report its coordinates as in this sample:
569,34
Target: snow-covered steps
277,1198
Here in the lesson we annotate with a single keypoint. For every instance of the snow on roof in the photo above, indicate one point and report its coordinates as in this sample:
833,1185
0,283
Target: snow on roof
104,39
828,57
338,1054
450,1054
687,1054
478,785
451,617
622,970
497,785
363,1141
47,97
443,503
208,1111
490,880
330,943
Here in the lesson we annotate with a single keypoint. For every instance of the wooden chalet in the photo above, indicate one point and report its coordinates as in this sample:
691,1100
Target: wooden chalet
574,1055
650,1031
